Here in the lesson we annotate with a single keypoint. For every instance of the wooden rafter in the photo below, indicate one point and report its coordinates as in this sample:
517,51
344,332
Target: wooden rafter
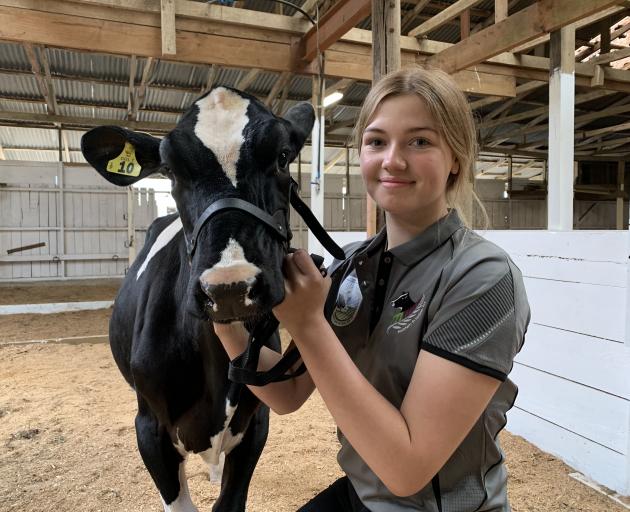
610,57
281,82
131,108
448,14
48,119
334,159
169,45
141,90
340,18
411,15
210,78
544,16
44,82
247,79
588,20
2,155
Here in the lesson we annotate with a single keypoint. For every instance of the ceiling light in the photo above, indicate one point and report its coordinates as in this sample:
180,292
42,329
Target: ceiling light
332,98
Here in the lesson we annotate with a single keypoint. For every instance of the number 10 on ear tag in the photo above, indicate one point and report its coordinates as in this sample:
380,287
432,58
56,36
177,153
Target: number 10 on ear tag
125,163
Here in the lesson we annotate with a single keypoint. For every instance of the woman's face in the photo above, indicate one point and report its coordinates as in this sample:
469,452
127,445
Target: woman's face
405,162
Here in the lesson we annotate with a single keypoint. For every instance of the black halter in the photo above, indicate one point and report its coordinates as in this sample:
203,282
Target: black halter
243,368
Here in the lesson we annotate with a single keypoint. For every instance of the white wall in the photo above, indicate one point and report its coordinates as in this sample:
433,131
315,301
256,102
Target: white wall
574,370
83,226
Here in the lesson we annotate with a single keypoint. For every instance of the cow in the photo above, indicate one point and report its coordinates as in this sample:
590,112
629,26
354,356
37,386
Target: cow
192,272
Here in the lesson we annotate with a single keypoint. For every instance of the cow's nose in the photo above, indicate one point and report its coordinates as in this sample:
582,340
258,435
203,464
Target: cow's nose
229,283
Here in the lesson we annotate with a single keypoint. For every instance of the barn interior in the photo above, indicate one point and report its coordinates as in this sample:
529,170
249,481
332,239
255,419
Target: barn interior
549,85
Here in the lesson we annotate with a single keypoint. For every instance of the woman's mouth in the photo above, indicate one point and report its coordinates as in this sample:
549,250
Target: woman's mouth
394,182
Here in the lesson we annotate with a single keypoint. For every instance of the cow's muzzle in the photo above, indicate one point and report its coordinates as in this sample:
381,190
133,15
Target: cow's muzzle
228,292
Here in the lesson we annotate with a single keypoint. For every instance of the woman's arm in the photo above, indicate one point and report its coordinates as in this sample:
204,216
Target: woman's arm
405,447
281,397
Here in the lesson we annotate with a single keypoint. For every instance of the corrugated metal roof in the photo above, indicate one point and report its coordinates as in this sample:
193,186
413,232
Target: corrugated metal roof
13,56
17,137
92,112
87,92
20,86
95,65
30,155
25,107
178,74
168,99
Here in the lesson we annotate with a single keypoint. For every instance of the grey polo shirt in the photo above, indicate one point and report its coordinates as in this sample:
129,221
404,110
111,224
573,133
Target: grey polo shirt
452,293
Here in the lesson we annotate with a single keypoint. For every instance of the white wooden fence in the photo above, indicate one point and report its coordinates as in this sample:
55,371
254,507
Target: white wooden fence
81,220
574,370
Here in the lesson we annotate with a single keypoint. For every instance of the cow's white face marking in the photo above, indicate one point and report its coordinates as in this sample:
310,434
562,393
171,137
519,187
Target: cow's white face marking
220,123
231,268
160,242
183,503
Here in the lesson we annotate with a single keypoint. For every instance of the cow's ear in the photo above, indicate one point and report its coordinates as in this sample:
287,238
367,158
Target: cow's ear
121,156
302,118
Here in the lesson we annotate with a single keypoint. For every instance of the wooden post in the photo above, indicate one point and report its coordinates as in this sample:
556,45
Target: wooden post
168,27
621,166
509,189
561,128
131,228
500,10
464,24
385,59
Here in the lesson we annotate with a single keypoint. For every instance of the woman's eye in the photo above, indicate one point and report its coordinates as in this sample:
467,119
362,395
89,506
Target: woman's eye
283,160
375,143
419,142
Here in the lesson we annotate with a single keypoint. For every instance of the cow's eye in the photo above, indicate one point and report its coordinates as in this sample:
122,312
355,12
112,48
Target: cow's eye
283,160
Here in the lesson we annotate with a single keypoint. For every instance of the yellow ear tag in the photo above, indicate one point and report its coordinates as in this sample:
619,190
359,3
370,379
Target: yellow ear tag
126,162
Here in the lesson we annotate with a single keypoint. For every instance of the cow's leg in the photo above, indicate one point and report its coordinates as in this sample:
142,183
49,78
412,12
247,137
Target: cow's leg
240,463
166,466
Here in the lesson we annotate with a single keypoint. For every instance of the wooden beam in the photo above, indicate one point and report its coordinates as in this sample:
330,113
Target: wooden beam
340,18
334,159
448,14
281,82
307,6
610,57
385,38
169,45
584,22
42,83
132,86
46,119
520,92
340,86
412,14
603,131
2,155
542,17
212,73
141,90
500,10
248,79
464,24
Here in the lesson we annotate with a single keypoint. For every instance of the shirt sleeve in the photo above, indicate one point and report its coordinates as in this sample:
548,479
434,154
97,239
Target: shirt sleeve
480,317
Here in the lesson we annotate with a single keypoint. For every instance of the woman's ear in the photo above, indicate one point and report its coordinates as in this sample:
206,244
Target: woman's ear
455,167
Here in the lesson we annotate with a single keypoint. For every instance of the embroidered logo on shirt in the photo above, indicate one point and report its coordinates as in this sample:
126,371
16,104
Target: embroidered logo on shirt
348,302
408,313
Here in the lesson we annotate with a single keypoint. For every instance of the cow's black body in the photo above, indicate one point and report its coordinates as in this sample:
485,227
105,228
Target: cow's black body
178,368
228,145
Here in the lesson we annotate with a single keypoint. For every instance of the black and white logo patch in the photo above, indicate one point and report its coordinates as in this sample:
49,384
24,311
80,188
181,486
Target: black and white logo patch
348,302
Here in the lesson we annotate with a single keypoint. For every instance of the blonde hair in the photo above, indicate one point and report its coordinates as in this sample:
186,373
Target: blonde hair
452,113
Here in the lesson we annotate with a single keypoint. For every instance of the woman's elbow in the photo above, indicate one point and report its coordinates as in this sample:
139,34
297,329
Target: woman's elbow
403,486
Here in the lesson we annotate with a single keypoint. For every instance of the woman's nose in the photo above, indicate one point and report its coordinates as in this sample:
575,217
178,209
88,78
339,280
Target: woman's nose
394,159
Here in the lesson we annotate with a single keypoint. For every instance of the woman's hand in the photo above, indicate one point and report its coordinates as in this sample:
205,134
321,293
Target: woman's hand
305,294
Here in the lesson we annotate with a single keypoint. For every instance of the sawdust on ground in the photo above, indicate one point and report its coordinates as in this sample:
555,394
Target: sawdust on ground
67,440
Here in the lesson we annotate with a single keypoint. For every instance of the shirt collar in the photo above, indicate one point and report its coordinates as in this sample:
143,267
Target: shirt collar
431,238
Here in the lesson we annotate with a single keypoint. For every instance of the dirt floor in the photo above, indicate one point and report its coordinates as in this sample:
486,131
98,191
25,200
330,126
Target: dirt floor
67,440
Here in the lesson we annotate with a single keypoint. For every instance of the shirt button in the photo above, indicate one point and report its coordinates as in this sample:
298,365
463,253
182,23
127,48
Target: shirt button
381,282
387,259
360,262
364,283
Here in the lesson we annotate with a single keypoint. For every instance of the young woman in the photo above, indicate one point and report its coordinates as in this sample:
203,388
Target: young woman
410,339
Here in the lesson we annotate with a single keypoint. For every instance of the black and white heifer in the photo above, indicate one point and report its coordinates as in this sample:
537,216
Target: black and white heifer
228,145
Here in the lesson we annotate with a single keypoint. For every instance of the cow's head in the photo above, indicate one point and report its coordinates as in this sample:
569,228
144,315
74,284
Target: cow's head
228,145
